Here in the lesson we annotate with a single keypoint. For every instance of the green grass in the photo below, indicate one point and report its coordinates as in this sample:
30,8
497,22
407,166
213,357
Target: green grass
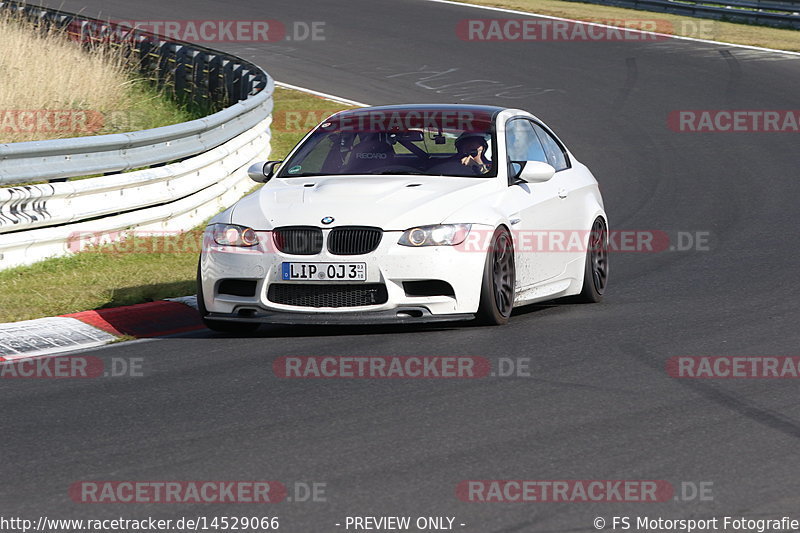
139,269
91,280
149,107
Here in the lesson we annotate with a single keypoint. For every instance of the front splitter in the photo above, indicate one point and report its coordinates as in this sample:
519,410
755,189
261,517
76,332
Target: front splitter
400,315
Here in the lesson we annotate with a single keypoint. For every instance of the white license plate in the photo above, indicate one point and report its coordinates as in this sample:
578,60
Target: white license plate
324,271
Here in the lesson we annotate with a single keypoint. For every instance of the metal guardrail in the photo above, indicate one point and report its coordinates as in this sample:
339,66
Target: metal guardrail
85,156
195,169
776,13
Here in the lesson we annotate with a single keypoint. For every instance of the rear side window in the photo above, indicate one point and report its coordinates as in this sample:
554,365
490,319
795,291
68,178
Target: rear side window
556,155
522,144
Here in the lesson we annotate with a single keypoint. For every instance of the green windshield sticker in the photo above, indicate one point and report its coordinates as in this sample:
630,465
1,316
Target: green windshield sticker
295,169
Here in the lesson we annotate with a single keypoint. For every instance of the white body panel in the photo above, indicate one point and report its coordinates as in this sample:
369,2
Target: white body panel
568,202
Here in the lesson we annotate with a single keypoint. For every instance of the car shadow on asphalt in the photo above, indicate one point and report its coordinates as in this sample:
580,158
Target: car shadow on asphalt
294,331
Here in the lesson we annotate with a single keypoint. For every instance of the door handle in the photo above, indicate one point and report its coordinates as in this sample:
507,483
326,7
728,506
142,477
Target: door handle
562,193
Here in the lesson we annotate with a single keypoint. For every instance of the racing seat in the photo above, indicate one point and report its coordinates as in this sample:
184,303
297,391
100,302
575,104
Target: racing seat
370,154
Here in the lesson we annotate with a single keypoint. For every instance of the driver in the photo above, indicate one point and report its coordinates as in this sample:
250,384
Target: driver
472,149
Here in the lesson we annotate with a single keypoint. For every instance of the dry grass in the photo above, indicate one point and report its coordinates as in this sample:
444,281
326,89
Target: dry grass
677,25
52,87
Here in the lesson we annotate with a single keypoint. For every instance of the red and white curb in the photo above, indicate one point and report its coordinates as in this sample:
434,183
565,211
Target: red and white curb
89,329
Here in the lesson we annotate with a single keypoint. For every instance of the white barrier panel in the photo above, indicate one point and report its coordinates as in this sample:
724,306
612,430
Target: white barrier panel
181,196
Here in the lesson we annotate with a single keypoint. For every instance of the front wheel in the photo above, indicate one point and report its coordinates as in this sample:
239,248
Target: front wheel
222,326
499,276
595,275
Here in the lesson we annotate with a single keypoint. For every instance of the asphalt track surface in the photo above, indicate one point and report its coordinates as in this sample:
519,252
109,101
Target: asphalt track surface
599,404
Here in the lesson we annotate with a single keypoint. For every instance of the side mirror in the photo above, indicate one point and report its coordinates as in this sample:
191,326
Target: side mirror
535,172
262,172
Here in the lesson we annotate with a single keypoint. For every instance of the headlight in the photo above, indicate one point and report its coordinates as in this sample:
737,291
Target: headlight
233,235
439,235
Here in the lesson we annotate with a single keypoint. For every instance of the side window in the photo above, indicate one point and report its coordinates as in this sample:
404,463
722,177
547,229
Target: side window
522,144
556,155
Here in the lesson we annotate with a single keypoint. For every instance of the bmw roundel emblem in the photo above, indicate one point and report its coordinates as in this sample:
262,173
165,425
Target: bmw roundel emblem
327,220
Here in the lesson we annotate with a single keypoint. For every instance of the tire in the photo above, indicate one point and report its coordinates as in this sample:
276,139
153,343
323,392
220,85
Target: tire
221,326
499,277
595,274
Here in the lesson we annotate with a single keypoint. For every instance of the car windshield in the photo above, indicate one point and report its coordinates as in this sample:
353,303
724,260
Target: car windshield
407,142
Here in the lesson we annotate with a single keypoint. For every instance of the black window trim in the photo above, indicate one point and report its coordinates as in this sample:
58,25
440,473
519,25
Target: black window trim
557,141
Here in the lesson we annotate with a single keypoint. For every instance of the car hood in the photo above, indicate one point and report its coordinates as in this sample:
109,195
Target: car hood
388,202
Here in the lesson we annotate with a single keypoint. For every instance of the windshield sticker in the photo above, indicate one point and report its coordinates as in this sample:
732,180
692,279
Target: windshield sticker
295,169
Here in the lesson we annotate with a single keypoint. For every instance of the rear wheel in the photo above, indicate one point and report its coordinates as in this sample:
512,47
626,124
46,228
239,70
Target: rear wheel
222,326
595,276
499,275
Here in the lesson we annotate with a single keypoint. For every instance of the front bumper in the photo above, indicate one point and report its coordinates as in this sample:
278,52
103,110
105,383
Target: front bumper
390,265
402,315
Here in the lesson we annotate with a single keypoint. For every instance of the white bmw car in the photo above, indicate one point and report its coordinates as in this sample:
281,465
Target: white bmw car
405,214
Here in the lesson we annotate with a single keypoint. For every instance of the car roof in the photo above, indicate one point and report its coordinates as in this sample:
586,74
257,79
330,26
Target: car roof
468,108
